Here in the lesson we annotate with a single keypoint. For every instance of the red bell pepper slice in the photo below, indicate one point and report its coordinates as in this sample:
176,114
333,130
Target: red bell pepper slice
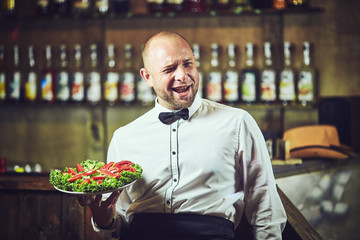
74,178
106,172
108,165
99,182
79,168
87,180
88,173
98,178
127,168
71,171
123,163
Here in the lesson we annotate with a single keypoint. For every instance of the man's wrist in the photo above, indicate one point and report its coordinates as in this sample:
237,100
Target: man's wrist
110,225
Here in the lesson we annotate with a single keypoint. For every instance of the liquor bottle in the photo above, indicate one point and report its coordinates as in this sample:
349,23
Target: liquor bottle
47,84
231,78
279,4
93,78
239,6
101,7
268,77
15,78
81,8
62,87
195,6
297,3
156,6
220,5
262,4
127,82
2,75
77,78
31,79
120,6
61,8
175,5
43,7
306,84
287,93
196,50
249,78
111,77
214,80
8,8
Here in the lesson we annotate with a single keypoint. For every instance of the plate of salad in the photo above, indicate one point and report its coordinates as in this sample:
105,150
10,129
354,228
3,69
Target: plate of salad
92,177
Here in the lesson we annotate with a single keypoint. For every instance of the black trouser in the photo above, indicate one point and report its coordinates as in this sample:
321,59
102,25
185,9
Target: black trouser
159,226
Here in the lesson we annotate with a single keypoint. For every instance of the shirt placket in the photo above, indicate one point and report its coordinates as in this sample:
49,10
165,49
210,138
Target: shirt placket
174,166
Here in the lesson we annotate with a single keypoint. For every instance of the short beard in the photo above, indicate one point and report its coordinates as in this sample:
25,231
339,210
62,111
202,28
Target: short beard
177,104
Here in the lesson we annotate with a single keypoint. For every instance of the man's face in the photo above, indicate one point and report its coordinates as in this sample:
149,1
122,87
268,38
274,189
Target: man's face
172,72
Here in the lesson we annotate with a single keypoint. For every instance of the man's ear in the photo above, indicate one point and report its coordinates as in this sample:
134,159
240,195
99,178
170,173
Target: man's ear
146,76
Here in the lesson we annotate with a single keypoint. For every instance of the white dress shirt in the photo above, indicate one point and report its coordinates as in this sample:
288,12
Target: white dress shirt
215,163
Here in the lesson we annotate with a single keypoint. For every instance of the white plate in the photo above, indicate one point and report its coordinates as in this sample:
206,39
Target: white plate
94,193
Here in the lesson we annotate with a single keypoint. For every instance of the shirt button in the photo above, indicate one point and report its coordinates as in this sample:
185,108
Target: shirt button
173,153
168,202
174,130
175,180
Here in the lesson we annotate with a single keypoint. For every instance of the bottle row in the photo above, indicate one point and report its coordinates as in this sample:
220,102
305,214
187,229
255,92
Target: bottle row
95,83
63,83
253,85
79,8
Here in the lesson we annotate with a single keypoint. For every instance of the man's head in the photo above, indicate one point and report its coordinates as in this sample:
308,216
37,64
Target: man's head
169,68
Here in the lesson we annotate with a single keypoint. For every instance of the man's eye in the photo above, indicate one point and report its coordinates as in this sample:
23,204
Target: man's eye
188,64
168,70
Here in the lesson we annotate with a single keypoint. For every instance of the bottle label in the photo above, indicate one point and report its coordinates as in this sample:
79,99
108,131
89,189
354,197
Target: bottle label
213,88
78,87
30,87
111,86
268,86
231,86
47,93
94,89
287,86
306,87
62,86
145,93
127,89
2,86
248,90
15,86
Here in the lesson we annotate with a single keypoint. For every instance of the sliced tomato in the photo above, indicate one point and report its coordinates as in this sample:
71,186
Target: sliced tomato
99,182
79,168
74,178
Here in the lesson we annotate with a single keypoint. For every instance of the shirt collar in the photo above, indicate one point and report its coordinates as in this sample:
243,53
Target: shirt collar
192,109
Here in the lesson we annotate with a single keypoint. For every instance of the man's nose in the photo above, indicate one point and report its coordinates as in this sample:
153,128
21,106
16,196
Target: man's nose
180,73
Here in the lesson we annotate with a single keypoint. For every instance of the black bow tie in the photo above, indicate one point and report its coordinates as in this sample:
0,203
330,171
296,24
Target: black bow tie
168,117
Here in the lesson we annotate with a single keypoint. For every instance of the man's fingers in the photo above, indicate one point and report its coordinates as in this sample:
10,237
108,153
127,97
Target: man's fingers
85,200
112,198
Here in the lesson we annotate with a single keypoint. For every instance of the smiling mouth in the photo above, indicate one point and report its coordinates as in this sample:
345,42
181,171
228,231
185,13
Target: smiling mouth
181,89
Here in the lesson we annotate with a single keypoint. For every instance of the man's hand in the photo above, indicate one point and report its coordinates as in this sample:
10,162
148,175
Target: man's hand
103,211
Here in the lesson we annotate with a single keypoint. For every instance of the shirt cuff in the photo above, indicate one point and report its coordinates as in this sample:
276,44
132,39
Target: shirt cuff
111,232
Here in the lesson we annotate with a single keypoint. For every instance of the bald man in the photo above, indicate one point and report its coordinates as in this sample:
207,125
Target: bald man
204,164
